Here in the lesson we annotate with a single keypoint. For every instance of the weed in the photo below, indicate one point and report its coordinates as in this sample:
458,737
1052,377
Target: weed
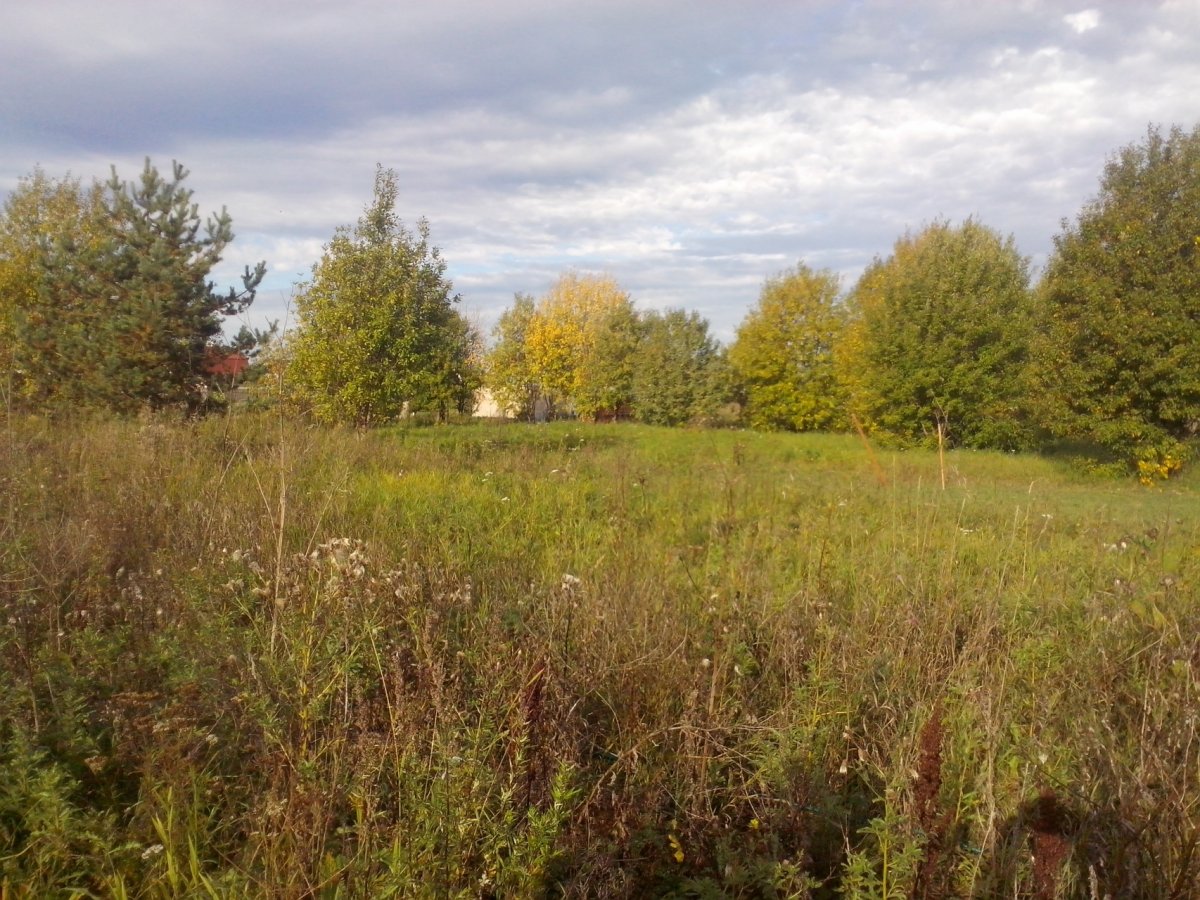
241,657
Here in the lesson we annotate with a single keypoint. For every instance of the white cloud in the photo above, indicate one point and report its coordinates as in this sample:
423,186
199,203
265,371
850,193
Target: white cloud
1083,21
600,136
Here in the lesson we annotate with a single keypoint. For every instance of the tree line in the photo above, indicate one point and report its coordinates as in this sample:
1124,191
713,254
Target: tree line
106,302
104,293
948,339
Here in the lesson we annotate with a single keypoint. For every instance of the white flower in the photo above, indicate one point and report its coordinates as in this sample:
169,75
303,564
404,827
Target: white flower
152,850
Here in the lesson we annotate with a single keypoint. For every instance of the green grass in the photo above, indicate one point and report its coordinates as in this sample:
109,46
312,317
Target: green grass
245,658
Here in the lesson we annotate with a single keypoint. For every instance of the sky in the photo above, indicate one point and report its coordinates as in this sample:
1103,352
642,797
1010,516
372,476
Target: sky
690,149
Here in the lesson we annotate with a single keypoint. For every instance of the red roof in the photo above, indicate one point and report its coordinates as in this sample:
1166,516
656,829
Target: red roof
225,365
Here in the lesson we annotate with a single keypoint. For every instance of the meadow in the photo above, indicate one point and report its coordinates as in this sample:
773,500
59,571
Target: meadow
241,657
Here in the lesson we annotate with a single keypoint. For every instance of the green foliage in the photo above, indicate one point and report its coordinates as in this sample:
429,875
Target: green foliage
49,846
783,354
510,375
40,214
584,348
604,377
378,332
885,865
582,661
679,372
108,291
1118,361
940,337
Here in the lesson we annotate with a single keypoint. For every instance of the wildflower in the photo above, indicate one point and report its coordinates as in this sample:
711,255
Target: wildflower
570,581
676,847
152,850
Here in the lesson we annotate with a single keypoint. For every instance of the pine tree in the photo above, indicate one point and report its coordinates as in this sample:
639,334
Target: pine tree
122,315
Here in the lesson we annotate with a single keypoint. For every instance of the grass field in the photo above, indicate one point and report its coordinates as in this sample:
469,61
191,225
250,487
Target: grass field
245,658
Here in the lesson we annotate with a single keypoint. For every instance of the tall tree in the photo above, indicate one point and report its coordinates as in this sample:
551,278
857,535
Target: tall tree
42,214
604,377
783,353
940,338
378,330
1118,359
510,376
121,314
678,370
580,342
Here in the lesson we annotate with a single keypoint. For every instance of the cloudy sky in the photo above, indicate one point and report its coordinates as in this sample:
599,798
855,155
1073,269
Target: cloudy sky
689,148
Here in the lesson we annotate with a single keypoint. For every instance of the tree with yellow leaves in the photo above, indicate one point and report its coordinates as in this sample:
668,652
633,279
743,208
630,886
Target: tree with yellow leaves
42,214
579,345
783,354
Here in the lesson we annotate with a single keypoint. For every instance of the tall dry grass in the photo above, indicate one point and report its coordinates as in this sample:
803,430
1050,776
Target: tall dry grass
239,659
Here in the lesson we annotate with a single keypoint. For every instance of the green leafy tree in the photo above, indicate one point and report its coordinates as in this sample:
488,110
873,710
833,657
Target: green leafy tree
41,215
1118,359
510,375
118,311
604,377
940,337
678,370
783,352
378,330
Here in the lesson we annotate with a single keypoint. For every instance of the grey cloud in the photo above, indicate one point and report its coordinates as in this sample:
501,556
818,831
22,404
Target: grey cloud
690,149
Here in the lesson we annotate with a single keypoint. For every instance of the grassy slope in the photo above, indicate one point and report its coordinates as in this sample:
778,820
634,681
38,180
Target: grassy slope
611,661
